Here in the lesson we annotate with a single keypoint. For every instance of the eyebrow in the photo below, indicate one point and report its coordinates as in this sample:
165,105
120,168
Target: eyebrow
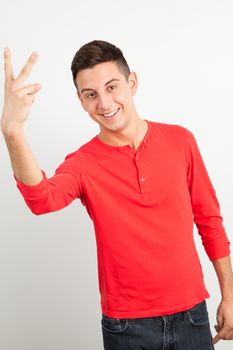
87,89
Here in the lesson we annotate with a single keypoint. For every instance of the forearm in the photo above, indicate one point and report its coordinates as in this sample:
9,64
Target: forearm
224,273
24,165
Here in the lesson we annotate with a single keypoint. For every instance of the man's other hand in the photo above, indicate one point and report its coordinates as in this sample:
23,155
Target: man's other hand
224,328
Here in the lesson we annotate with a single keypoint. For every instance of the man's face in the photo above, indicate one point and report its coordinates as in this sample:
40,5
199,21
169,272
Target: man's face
104,91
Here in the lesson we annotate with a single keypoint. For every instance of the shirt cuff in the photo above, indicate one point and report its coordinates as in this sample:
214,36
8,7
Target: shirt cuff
218,251
26,189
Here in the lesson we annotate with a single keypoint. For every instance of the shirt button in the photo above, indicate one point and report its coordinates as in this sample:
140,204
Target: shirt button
143,179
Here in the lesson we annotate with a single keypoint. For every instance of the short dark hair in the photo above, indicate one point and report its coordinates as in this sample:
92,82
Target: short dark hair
98,51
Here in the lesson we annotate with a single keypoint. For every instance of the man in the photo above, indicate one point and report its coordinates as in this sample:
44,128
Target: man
143,184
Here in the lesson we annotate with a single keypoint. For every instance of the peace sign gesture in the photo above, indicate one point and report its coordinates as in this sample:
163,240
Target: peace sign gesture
18,99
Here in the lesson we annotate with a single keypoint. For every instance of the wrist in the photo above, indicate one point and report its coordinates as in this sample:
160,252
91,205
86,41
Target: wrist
227,295
11,131
227,299
227,291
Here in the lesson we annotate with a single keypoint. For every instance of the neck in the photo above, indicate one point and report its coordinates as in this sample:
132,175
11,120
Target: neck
132,134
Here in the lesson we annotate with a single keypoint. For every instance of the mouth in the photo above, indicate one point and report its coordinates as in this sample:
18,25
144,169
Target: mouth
110,115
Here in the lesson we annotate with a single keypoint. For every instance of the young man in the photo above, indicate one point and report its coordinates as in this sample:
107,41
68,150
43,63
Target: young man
143,184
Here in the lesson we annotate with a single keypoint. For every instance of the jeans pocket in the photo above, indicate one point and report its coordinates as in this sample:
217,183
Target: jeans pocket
114,325
198,315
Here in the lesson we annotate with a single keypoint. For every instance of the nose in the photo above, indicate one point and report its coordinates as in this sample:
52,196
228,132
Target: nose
105,102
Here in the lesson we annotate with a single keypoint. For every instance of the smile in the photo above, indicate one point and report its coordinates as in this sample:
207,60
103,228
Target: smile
110,115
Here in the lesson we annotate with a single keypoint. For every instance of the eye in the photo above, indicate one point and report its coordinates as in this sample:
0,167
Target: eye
113,86
90,95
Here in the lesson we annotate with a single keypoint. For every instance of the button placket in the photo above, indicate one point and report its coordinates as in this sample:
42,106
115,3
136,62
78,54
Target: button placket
142,179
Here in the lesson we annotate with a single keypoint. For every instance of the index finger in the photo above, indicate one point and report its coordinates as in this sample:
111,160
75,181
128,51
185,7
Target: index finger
26,70
7,65
220,335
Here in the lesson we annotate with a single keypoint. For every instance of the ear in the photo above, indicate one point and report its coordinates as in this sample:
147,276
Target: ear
81,100
133,82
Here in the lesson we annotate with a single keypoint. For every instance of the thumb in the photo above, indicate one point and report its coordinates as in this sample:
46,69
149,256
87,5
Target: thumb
37,87
218,337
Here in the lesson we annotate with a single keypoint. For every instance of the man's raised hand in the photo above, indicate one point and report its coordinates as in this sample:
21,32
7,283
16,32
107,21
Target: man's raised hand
18,99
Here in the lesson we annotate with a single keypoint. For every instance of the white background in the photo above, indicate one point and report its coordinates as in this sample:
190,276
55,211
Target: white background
182,53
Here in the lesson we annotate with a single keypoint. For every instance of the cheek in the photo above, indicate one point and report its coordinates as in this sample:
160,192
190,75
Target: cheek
91,108
83,104
122,98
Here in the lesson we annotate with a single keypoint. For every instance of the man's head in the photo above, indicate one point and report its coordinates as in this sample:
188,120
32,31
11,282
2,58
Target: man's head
95,52
104,84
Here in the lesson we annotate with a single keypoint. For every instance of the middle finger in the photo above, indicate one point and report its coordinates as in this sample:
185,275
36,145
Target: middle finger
26,70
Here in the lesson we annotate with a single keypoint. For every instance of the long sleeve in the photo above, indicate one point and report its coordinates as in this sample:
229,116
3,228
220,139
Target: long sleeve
206,209
56,192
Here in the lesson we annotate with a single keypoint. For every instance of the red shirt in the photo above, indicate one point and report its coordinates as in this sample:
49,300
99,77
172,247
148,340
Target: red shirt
143,204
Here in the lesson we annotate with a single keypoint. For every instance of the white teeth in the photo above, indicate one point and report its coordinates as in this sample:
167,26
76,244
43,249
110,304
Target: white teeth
109,115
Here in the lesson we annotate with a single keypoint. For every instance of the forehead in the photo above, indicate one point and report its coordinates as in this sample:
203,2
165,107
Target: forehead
98,75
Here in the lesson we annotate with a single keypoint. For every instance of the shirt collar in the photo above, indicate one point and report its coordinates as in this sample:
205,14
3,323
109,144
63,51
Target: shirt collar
125,148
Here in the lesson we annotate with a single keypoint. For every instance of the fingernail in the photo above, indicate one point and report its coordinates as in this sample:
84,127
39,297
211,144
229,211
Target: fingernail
6,50
35,54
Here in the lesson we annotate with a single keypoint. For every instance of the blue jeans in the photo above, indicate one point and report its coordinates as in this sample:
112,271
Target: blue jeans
186,330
